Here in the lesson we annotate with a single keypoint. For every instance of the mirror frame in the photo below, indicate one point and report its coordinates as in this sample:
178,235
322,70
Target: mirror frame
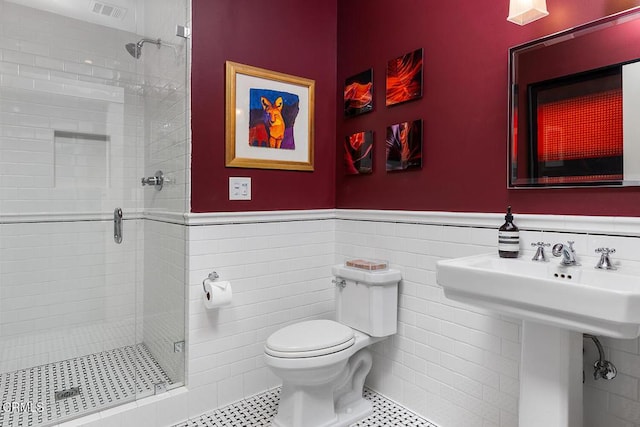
571,34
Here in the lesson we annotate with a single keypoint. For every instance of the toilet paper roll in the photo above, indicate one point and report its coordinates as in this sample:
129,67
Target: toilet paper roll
217,294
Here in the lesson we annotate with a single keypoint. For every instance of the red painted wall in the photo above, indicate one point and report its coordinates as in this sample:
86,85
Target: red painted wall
464,106
290,36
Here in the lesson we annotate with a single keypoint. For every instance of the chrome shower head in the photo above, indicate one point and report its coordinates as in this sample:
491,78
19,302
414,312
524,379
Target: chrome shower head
135,49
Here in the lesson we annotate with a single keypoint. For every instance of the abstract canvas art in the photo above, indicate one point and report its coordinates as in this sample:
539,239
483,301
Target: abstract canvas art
404,78
358,94
404,146
358,153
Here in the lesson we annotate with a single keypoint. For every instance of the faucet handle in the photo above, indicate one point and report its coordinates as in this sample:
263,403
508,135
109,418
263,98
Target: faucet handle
604,263
539,244
540,255
606,251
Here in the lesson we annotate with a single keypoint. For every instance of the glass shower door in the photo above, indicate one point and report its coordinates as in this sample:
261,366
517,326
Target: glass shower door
92,264
165,61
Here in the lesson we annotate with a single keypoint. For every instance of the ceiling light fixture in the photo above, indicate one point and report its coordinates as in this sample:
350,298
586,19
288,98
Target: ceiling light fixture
522,12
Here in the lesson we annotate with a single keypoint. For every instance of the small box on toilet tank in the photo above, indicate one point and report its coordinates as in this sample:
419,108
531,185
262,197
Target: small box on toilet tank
368,300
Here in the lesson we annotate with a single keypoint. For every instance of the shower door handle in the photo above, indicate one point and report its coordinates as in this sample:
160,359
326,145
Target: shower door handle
117,225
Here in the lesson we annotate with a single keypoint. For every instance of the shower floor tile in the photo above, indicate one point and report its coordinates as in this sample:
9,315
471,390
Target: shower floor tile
258,410
105,379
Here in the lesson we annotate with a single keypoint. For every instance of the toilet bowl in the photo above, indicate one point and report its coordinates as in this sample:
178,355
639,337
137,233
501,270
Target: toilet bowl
323,363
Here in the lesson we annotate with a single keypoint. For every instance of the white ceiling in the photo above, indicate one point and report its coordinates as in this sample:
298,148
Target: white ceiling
83,10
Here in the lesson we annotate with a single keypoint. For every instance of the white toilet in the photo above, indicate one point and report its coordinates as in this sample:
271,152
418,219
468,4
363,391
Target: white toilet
323,363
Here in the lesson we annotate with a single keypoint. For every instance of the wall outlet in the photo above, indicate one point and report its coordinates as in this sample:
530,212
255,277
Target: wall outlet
239,188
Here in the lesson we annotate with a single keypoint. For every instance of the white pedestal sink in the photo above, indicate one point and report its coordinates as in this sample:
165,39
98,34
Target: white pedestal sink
550,376
557,305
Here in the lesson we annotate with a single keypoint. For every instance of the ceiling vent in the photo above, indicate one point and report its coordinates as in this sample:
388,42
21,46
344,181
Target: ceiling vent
108,10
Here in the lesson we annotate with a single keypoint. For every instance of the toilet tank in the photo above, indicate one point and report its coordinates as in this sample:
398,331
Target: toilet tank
368,301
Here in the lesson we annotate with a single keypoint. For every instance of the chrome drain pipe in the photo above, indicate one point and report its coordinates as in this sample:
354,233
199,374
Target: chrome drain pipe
602,368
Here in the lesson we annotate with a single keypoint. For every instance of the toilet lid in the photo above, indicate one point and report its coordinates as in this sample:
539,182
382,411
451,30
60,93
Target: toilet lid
310,338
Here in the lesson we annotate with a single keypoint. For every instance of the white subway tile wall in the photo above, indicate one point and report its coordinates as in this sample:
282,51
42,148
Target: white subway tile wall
62,75
164,295
280,273
450,363
167,149
167,125
446,362
67,290
458,365
81,121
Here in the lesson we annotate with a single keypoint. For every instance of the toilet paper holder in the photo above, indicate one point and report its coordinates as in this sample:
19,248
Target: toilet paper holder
211,277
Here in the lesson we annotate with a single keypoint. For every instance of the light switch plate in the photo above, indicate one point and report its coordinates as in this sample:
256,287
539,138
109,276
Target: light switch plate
239,188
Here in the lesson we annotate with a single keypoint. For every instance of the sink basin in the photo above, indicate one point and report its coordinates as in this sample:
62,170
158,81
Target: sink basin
557,304
578,298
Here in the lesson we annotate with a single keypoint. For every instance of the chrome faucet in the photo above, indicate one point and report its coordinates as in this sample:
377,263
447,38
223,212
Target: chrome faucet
567,253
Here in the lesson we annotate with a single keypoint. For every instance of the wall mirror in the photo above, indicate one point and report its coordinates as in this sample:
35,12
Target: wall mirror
574,106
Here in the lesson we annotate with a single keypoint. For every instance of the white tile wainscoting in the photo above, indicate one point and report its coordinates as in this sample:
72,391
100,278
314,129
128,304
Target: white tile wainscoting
450,363
279,272
459,366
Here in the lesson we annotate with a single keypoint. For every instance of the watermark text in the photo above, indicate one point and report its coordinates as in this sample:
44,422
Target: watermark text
21,407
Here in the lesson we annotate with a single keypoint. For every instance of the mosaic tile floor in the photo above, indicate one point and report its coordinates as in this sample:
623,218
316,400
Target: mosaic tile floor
105,379
258,410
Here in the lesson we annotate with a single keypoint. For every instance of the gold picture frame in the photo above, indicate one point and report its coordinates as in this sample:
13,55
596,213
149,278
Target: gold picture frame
268,119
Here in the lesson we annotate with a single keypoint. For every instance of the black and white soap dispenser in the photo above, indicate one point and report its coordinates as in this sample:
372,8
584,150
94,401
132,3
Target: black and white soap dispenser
508,237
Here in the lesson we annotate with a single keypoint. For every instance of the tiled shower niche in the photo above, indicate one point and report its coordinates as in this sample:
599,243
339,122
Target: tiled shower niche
80,160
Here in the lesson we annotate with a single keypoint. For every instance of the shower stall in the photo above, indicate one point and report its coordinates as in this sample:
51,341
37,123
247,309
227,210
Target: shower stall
93,99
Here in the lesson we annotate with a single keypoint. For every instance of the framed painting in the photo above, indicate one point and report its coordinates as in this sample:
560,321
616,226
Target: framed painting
358,153
404,146
268,119
358,94
404,78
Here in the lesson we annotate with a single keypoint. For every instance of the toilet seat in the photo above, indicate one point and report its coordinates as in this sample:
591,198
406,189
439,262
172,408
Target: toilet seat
310,338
